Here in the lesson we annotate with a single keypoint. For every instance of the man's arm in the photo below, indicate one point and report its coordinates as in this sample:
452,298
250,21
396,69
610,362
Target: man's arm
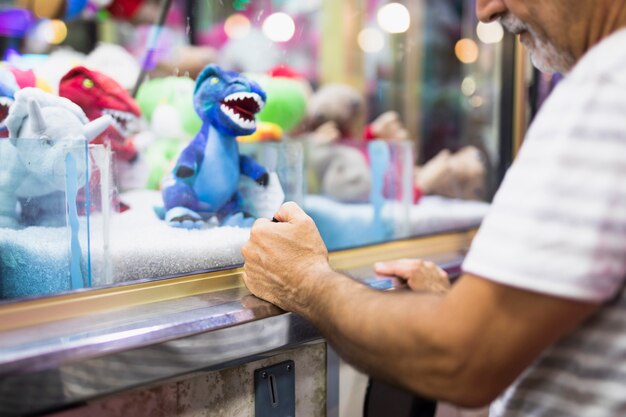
463,347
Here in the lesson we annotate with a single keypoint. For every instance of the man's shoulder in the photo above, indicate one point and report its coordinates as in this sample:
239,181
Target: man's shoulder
605,62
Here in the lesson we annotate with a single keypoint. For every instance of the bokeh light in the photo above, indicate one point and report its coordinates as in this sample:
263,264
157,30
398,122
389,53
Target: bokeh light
394,18
52,31
468,86
371,40
45,9
237,26
476,101
279,27
101,3
490,32
466,51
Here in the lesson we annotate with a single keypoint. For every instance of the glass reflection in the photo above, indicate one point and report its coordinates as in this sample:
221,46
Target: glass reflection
386,109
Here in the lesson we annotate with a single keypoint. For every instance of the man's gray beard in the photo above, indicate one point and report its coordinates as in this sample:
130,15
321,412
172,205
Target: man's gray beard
546,58
513,24
543,53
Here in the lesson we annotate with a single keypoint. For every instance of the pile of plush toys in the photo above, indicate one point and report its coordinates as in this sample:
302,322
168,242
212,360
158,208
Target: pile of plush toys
31,110
181,135
203,182
332,118
187,132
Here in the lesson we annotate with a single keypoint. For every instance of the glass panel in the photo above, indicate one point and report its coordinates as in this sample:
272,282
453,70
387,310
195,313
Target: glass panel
404,94
360,193
53,235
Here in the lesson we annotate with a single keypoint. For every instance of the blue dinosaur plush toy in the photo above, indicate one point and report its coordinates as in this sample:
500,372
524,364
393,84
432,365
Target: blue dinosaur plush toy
204,183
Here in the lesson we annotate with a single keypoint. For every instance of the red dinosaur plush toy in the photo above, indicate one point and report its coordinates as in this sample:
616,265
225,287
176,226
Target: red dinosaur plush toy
98,94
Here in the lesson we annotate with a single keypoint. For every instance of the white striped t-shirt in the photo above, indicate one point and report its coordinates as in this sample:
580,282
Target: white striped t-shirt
558,226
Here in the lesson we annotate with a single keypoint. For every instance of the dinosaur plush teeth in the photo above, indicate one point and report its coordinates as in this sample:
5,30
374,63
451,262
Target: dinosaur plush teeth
247,96
245,104
123,121
242,119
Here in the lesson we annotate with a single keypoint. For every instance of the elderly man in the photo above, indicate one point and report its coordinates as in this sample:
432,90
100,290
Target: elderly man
538,318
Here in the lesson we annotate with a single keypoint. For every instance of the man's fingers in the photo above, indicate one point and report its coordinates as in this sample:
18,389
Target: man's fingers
403,268
258,228
289,212
261,221
384,268
441,272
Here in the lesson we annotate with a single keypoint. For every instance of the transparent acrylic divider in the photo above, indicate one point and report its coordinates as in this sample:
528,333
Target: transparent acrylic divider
101,187
48,195
403,175
284,163
360,193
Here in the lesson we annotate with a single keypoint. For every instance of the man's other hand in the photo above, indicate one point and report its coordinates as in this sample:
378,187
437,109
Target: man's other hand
419,274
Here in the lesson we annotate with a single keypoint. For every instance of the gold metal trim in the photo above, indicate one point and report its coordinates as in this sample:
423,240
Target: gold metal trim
520,97
428,246
28,313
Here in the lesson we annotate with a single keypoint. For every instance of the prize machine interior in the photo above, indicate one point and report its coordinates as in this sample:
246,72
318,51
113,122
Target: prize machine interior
143,138
140,140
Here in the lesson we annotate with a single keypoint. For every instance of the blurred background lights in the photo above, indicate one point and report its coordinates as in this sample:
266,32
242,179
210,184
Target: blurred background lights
466,51
237,26
240,4
476,101
371,40
394,18
490,32
52,31
279,27
468,87
101,3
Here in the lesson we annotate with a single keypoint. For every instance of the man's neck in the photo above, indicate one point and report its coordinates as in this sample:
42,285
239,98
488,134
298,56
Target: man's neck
607,17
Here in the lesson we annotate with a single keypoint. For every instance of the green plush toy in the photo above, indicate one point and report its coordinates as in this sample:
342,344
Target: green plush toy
167,104
286,101
174,91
